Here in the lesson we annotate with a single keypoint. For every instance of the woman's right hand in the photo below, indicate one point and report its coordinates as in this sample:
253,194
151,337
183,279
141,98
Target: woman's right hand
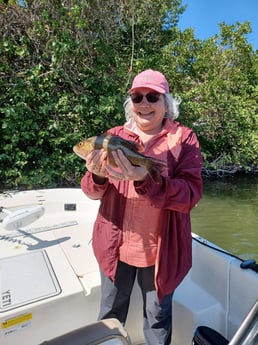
96,162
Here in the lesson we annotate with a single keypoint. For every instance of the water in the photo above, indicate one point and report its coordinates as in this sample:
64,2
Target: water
227,215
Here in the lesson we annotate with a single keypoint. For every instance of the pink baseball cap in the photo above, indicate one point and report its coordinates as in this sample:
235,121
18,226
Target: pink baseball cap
151,79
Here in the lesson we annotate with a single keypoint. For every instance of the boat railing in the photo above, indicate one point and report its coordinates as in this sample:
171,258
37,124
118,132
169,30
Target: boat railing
247,334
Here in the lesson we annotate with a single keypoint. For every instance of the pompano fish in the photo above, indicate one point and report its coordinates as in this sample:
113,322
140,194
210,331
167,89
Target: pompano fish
131,150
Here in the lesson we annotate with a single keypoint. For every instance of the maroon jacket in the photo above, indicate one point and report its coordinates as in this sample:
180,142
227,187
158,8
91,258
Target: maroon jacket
176,193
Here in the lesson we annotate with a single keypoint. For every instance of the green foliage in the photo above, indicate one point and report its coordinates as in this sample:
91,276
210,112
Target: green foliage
65,68
217,81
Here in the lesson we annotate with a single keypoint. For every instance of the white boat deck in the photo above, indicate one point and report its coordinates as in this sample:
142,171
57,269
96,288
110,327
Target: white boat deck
50,284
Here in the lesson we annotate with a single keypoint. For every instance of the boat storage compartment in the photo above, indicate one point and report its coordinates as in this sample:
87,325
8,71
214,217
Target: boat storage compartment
26,278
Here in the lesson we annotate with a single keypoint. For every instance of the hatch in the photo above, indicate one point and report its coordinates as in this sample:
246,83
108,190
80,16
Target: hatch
25,279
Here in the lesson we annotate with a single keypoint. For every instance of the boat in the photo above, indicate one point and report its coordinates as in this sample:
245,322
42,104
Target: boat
50,282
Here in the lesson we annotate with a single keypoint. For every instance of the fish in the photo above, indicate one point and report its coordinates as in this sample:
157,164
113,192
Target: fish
131,150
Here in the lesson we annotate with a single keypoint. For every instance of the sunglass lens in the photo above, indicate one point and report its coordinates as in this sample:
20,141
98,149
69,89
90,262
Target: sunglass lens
152,97
136,97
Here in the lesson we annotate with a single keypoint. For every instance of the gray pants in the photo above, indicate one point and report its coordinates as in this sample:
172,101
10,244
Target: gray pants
115,298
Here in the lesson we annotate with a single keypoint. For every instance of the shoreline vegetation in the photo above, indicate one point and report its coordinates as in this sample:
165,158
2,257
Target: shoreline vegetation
66,67
234,171
211,172
208,174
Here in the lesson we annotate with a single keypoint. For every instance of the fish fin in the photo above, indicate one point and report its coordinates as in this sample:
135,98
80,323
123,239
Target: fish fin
154,169
129,144
139,148
154,174
135,147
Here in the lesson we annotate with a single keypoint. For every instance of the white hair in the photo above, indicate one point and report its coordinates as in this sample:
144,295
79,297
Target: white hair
171,102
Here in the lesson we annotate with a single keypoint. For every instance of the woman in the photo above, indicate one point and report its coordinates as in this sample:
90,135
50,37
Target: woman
143,226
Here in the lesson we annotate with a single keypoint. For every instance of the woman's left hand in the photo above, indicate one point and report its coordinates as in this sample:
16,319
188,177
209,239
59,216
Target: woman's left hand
128,171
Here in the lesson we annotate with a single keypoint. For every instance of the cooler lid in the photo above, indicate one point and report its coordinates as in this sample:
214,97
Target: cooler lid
25,279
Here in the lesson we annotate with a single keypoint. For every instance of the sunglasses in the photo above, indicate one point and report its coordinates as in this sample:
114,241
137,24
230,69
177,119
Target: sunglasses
152,97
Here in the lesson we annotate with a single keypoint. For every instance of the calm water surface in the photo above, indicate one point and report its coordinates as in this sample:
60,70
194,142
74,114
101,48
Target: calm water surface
227,215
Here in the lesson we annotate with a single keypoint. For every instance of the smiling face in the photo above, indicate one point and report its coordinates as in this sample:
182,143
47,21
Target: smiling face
148,116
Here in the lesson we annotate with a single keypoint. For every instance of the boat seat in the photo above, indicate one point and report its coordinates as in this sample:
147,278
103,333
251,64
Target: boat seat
105,332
